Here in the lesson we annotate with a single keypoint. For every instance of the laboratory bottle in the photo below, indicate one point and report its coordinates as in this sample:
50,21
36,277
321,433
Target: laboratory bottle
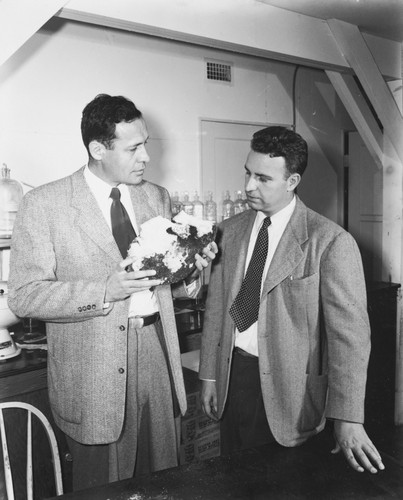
239,203
187,204
227,206
198,206
11,194
176,204
210,208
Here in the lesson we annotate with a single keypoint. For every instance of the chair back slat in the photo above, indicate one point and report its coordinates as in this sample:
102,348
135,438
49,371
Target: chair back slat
30,481
53,447
6,460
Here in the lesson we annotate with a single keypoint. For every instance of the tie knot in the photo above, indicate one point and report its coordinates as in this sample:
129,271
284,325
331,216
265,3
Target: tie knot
266,223
115,194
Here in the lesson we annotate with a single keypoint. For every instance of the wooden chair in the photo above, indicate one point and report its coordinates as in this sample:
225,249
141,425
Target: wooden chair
29,473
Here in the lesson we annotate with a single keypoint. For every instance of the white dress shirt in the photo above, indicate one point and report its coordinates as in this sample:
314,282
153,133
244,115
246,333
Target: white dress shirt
141,303
247,340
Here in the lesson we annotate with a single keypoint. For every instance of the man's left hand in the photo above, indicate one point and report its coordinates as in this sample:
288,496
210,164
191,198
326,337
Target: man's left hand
358,449
208,254
202,261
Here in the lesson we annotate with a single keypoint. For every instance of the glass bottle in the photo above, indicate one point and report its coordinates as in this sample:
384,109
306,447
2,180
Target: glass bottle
187,204
198,207
227,206
210,208
239,203
11,194
176,204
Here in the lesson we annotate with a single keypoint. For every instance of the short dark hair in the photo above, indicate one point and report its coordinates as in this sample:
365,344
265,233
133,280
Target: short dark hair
278,141
101,115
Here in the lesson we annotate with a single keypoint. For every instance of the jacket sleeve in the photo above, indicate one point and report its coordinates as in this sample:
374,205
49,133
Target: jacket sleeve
34,288
214,317
346,323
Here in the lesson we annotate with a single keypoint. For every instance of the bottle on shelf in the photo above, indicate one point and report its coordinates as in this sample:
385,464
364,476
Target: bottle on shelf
11,194
227,206
176,204
198,207
187,204
239,203
210,208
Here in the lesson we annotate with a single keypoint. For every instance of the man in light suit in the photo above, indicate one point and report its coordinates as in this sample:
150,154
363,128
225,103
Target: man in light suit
301,358
114,369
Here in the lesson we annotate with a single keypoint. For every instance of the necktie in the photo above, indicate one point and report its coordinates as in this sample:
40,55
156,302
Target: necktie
122,228
245,308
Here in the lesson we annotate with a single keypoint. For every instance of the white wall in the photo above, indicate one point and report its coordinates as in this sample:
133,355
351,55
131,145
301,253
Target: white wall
46,84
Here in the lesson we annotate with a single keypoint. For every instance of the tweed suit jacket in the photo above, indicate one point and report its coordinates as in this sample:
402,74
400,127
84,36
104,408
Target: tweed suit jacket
62,252
313,328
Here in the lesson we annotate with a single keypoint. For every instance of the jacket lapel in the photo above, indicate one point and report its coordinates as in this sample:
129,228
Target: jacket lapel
89,216
288,253
143,205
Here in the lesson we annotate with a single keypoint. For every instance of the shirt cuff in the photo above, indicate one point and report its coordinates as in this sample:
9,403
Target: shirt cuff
193,288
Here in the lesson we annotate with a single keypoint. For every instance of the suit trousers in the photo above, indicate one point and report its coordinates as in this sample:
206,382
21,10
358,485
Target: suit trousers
150,436
244,423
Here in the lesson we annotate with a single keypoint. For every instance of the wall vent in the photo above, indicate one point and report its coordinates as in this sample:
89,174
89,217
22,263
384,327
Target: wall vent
218,71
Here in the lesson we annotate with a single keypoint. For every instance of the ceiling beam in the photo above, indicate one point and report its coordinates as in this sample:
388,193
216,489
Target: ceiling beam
242,26
360,58
20,19
360,113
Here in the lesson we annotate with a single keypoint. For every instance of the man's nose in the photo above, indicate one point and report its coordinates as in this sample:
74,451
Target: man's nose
143,155
250,184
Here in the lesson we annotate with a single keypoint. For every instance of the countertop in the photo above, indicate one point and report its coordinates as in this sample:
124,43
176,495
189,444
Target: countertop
308,472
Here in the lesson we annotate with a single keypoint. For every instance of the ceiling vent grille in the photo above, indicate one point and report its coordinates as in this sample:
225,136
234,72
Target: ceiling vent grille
218,71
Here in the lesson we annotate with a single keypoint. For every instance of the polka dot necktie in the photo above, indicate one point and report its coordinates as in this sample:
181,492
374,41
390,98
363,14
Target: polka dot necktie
122,228
245,309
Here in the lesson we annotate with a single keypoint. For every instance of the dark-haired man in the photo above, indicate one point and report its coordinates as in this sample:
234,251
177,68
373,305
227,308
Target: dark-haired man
114,369
286,338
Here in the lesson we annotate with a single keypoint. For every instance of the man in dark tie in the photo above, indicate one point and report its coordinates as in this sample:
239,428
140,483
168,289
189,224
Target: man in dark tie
114,369
286,337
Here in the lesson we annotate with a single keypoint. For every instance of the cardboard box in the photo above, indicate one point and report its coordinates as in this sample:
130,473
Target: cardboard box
197,427
200,449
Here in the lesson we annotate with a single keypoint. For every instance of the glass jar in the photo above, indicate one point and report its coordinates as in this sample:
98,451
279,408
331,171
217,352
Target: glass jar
11,194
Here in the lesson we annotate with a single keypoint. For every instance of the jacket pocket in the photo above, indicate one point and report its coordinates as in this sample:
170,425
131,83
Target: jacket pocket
64,388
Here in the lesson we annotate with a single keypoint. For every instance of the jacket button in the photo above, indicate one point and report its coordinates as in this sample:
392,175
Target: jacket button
121,370
79,309
122,328
94,306
89,307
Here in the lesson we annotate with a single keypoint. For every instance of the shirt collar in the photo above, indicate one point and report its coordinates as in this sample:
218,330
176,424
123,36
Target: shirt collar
279,218
100,188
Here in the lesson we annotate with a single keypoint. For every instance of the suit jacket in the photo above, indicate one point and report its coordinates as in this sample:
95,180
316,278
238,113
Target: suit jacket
313,328
62,252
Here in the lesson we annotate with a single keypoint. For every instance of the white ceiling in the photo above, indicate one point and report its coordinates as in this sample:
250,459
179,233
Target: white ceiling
378,17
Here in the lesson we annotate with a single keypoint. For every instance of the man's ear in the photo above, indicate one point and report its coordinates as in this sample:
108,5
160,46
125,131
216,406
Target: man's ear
97,150
293,181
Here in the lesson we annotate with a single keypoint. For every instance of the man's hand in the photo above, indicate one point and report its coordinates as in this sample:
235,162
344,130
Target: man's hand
120,284
209,399
352,439
202,261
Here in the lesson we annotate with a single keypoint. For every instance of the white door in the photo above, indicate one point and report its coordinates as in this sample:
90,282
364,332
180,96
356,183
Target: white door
224,148
365,189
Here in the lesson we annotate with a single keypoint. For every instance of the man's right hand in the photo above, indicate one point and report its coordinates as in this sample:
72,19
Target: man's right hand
121,284
209,398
